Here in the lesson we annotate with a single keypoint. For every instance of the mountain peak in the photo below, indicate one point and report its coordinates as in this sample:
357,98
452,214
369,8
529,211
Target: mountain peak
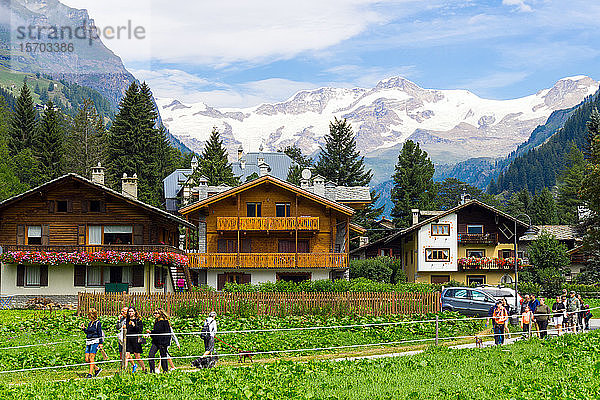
397,82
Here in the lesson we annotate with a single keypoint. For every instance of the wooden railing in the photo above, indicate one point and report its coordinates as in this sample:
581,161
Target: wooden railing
478,238
267,260
120,248
361,303
267,223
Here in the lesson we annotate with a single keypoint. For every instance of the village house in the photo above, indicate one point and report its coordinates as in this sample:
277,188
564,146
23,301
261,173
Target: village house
472,243
75,235
268,229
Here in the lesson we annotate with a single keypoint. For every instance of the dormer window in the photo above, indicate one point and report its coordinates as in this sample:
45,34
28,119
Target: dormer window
62,206
96,206
474,229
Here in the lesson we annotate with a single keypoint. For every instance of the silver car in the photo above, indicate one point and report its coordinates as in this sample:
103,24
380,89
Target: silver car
467,301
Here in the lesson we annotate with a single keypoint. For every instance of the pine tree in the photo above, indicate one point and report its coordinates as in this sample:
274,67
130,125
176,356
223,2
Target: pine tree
569,186
520,203
49,143
413,183
23,122
85,144
450,191
544,211
301,162
340,162
214,164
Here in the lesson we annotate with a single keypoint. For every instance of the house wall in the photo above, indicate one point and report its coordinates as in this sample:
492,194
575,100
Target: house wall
491,277
265,275
427,241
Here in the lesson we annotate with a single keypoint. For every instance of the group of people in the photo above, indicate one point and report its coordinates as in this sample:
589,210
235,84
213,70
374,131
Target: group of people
568,314
131,334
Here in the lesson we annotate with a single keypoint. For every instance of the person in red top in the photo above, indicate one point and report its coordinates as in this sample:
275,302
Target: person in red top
499,317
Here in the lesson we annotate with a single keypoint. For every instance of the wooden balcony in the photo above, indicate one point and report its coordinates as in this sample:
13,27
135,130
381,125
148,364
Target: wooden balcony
267,223
267,260
120,248
472,263
478,238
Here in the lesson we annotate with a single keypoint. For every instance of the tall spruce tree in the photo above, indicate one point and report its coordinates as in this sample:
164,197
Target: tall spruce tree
413,183
450,191
520,202
544,211
11,184
49,143
339,161
569,186
85,144
23,122
214,164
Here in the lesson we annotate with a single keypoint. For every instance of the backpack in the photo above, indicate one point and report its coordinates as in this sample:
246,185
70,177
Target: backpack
205,331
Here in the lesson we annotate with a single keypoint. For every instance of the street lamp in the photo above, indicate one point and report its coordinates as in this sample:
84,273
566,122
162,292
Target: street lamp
530,231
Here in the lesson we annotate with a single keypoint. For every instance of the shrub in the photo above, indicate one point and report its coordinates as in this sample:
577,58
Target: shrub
326,285
376,269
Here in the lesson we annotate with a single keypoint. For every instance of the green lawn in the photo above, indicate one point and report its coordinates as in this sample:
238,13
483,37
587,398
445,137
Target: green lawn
560,368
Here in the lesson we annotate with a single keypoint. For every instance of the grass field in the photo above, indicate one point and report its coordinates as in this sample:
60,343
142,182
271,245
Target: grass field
560,368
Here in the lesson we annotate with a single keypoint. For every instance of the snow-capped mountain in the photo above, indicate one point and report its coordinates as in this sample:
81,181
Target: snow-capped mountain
452,125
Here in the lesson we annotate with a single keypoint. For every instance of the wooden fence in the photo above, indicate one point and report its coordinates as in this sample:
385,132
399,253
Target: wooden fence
361,303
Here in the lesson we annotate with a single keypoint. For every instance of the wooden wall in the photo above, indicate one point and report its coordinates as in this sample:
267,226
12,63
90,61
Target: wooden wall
475,215
39,209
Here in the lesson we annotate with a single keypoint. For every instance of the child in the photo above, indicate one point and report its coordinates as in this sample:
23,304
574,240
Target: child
526,320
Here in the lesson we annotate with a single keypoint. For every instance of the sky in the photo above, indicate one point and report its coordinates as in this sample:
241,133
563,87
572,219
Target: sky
243,53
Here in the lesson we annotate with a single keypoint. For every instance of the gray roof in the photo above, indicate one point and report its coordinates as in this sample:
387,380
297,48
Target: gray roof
560,232
172,183
344,193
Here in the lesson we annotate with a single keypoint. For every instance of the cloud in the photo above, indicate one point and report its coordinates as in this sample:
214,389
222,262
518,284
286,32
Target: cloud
190,88
521,5
494,80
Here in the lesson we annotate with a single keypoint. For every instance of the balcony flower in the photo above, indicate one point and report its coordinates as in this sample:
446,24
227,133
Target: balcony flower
87,258
488,263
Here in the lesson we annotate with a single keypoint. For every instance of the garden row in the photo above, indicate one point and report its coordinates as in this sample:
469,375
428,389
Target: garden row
561,368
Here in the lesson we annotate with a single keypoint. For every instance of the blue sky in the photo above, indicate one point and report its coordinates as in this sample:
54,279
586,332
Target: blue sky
240,53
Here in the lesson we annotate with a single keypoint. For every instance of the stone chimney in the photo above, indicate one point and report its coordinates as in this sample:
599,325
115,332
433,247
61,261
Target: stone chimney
98,174
330,191
202,188
263,168
319,185
363,241
240,152
194,163
242,163
465,197
415,216
129,186
304,183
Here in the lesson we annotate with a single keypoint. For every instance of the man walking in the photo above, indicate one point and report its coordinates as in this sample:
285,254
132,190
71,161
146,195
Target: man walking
499,318
542,315
573,308
209,331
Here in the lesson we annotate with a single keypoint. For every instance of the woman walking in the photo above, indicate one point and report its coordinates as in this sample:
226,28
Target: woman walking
134,341
527,319
161,338
94,338
558,309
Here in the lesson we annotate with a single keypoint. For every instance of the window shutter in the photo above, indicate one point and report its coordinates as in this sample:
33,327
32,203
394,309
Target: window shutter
221,246
81,235
79,275
45,235
20,275
499,253
69,206
51,206
302,246
246,278
138,234
43,275
102,206
20,234
220,281
232,246
85,206
137,276
246,246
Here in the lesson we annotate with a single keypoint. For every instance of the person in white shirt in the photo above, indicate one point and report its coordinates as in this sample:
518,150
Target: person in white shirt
209,342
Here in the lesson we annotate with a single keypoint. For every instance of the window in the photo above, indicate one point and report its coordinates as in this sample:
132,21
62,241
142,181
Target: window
440,229
96,206
118,234
474,229
506,279
34,234
440,279
461,293
94,276
95,235
476,280
160,277
62,206
505,253
476,253
289,246
282,209
33,275
437,254
385,252
253,210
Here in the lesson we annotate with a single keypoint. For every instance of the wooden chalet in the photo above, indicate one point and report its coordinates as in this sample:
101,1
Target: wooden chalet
73,235
269,229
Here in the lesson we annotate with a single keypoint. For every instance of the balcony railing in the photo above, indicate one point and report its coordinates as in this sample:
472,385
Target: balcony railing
119,248
478,238
472,263
267,223
267,260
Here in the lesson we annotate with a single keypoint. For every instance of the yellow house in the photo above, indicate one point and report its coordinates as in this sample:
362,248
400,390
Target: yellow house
472,243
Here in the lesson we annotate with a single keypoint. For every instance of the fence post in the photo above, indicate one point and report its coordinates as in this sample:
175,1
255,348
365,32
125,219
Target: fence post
437,330
124,348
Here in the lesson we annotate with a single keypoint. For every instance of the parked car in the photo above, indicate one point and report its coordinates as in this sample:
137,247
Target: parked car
499,292
467,301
